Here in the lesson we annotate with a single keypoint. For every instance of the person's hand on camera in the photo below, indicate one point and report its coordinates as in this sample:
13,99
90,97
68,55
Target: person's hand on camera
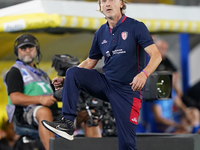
58,82
47,100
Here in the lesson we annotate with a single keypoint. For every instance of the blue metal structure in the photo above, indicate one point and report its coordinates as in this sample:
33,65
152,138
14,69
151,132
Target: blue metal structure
184,58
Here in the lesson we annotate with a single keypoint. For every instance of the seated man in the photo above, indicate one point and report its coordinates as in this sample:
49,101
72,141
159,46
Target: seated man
29,88
163,115
159,113
164,119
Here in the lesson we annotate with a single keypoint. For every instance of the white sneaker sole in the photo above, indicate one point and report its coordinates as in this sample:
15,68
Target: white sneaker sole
58,132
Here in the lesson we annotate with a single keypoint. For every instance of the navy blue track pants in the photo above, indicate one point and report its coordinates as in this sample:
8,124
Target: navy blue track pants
124,101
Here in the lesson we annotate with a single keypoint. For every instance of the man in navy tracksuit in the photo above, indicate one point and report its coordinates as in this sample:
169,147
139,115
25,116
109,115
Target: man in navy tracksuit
123,42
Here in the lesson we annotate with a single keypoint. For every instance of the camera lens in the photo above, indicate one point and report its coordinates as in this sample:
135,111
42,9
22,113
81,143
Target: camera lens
163,86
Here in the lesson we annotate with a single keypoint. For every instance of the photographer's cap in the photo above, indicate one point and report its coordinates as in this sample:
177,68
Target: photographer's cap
26,39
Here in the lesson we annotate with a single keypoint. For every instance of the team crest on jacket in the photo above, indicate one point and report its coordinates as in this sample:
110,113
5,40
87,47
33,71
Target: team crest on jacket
124,35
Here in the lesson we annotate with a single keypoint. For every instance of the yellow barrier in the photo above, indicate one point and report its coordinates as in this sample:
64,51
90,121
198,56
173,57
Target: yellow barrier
43,20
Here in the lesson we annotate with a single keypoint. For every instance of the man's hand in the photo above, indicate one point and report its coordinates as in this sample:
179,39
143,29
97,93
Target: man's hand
138,81
47,100
58,82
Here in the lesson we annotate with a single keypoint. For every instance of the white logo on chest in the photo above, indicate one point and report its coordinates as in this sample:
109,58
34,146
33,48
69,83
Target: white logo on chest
104,41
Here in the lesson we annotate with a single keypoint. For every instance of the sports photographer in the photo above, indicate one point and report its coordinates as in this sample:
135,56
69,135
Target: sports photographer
29,88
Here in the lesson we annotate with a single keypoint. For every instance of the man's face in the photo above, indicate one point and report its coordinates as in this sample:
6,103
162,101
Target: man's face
27,53
111,8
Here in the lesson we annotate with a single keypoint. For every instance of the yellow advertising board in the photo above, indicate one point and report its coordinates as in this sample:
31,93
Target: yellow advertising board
43,20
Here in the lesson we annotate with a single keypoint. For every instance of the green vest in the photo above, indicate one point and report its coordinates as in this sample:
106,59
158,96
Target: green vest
36,82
